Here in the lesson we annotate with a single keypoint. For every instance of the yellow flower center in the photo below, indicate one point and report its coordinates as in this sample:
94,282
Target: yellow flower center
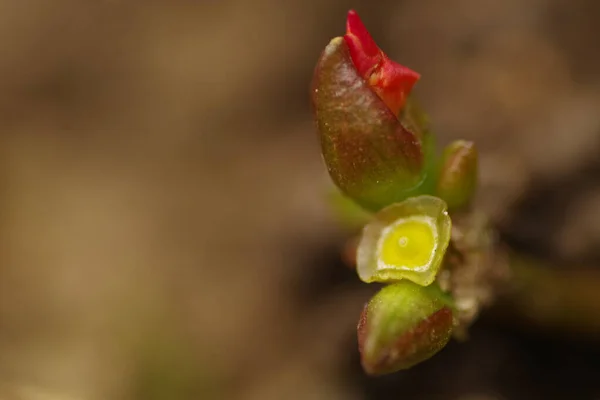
408,244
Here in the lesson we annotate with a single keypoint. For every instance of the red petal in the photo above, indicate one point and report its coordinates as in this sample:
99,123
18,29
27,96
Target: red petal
393,83
363,49
390,80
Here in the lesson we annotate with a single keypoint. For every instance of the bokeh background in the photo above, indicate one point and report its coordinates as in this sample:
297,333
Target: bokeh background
164,233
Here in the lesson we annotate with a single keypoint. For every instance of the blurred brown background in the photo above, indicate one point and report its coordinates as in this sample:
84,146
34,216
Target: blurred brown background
164,233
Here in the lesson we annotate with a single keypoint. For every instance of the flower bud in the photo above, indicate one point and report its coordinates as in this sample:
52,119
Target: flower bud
369,154
406,240
458,175
403,325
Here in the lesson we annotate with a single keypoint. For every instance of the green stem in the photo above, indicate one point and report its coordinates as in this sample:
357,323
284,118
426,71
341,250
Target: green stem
565,299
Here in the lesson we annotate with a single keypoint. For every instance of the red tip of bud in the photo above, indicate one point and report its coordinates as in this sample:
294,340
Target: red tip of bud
391,81
363,49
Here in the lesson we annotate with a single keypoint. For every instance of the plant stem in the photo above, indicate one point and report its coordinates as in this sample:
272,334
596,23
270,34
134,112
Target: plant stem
560,298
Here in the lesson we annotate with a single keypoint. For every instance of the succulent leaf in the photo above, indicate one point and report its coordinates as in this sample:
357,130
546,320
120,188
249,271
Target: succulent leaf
403,325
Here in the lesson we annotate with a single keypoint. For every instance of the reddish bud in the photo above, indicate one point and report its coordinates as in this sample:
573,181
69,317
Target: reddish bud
403,325
391,81
371,156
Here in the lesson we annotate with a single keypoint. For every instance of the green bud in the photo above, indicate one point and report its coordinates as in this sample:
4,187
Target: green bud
458,175
370,155
403,325
406,240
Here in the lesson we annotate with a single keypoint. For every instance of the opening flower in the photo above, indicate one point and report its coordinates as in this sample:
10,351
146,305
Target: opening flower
406,240
391,81
357,95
